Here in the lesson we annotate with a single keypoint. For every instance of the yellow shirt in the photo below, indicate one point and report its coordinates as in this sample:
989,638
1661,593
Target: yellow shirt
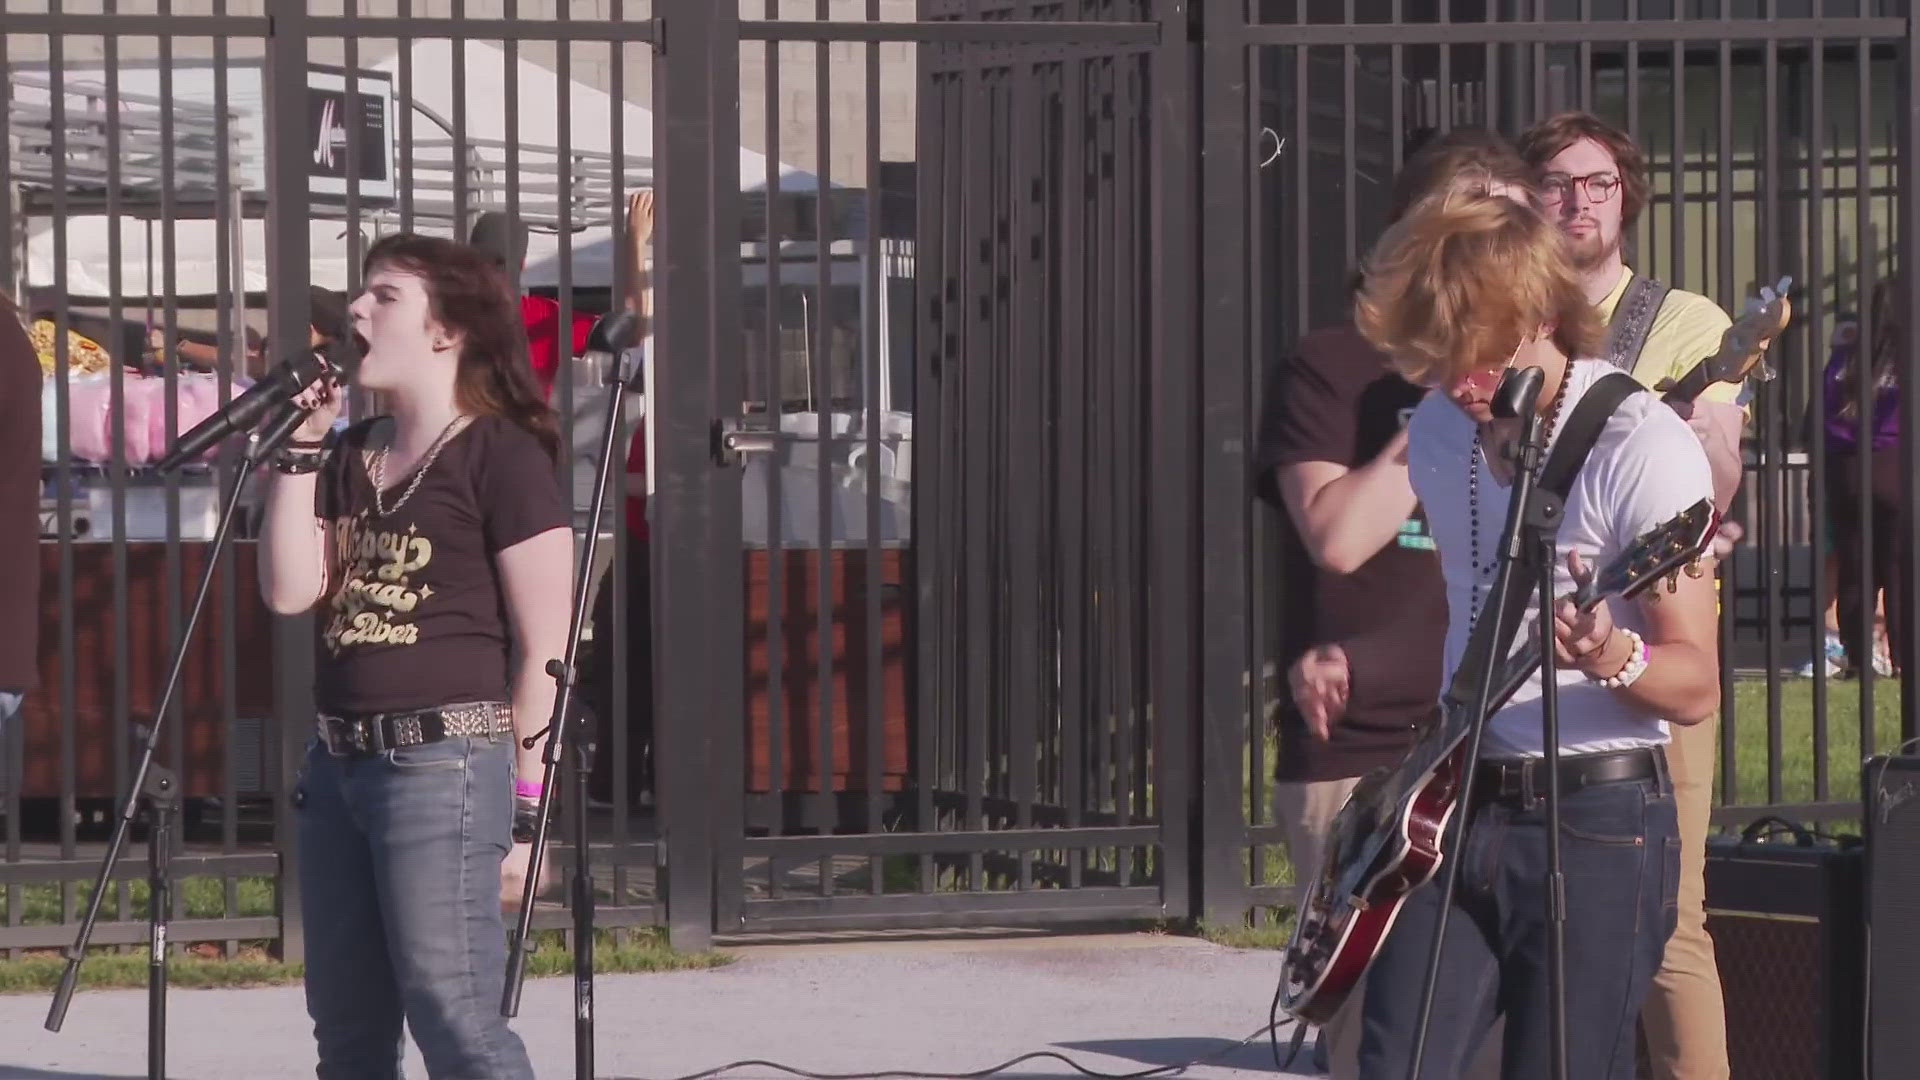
1686,330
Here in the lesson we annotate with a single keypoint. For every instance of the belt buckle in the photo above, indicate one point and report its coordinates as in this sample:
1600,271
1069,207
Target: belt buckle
407,731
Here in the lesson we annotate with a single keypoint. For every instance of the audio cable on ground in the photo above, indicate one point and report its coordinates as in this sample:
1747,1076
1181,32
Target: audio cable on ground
1271,1030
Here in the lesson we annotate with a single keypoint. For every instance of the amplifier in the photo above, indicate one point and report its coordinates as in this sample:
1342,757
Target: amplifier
1892,788
1785,916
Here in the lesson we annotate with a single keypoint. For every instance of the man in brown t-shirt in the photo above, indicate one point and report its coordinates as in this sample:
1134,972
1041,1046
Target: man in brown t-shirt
1367,640
19,511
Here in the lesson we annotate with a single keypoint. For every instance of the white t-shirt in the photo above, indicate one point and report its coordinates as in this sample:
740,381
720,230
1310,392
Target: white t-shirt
1646,467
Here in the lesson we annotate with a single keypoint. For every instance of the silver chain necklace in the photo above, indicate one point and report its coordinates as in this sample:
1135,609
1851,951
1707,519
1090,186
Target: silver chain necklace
419,472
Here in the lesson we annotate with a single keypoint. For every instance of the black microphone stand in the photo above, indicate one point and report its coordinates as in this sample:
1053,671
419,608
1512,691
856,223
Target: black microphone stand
567,729
156,785
1530,524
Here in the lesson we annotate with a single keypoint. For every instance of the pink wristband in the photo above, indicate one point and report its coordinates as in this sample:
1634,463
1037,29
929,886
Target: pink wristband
528,789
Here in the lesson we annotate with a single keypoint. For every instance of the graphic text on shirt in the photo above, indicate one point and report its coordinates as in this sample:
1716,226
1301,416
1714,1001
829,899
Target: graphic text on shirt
376,590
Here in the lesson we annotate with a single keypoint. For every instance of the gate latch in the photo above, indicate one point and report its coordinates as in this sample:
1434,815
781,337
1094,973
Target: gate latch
733,440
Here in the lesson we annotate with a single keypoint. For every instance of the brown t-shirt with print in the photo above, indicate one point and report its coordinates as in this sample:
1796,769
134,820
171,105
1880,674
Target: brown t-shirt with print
1336,401
417,616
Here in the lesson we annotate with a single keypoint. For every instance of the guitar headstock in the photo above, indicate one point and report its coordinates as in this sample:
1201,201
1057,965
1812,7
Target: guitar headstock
1744,344
1670,547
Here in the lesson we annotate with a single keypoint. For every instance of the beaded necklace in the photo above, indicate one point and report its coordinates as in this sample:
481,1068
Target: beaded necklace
1481,575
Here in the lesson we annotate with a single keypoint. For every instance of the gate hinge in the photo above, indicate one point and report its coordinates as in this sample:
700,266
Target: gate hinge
659,25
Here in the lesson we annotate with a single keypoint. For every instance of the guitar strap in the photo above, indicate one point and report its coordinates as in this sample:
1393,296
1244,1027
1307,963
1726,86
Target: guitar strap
1569,453
1633,320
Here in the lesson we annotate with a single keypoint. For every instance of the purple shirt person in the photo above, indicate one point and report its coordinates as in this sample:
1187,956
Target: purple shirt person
1842,397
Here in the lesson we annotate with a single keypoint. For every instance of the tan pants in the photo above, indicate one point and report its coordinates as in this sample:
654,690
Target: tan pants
1685,1016
1306,811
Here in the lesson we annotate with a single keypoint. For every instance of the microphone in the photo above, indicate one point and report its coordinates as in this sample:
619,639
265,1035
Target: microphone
1518,393
279,386
613,334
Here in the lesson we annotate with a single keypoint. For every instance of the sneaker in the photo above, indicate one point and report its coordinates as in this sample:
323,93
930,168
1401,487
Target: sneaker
1835,657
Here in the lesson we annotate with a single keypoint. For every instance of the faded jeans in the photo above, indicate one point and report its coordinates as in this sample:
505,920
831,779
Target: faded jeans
400,883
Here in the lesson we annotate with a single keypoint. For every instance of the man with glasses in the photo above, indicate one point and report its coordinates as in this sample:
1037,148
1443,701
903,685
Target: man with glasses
1594,185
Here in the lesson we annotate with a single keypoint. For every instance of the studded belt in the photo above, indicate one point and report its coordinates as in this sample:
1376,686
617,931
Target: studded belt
372,733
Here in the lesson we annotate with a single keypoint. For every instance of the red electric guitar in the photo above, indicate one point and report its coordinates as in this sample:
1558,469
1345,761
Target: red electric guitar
1387,840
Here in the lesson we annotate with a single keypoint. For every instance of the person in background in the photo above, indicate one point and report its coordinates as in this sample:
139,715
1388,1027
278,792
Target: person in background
505,240
20,375
1332,454
1860,585
1594,180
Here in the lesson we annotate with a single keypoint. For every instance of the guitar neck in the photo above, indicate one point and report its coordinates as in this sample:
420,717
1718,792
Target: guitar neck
1521,665
1689,386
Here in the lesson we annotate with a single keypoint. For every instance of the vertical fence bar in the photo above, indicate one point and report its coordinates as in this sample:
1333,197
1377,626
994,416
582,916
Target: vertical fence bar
13,739
926,603
289,258
1816,306
874,282
775,376
821,390
1863,429
226,333
1769,403
696,563
403,105
116,474
1723,286
64,476
1025,283
1906,604
1071,552
976,664
1175,644
1228,669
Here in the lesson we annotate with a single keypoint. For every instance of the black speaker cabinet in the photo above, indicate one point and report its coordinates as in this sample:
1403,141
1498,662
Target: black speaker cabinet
1892,787
1784,909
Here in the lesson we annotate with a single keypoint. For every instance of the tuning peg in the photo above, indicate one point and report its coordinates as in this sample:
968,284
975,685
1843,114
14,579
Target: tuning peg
1694,570
1673,583
1762,372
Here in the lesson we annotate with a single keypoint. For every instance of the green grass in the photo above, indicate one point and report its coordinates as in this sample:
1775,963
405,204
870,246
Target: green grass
204,897
615,952
1797,762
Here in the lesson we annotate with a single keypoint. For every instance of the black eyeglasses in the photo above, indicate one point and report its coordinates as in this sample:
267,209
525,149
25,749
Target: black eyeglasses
1559,187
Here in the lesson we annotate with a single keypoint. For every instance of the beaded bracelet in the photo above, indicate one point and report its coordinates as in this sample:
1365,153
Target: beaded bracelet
1635,666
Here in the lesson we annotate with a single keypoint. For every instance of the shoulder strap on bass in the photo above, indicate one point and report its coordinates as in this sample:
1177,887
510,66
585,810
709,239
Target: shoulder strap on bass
1576,439
1633,320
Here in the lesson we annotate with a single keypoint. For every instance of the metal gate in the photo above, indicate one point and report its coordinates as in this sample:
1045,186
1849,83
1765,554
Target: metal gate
963,537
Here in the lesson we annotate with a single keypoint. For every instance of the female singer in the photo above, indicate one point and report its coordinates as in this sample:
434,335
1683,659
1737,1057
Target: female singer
437,544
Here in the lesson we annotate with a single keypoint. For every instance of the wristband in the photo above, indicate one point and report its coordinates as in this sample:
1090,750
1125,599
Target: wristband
528,789
1635,666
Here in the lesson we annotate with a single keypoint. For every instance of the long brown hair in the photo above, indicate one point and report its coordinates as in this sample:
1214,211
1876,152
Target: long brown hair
1887,351
469,295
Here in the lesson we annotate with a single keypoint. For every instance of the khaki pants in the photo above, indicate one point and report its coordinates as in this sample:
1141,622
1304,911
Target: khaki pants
1685,1016
1306,811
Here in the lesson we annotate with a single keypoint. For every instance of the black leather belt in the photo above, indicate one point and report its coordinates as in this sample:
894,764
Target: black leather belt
372,733
1525,779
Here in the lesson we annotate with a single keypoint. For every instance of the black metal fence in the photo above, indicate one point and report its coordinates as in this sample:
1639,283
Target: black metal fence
948,604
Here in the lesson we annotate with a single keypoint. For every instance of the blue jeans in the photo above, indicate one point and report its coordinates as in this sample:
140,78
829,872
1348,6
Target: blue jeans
1620,852
400,881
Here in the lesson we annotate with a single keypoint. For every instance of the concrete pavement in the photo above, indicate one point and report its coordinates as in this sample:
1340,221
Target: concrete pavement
1115,1003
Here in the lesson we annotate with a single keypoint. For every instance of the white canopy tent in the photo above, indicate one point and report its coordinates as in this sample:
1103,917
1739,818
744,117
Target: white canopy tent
427,161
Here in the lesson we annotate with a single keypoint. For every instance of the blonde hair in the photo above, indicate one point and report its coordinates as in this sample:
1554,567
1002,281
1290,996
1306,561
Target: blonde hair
1461,281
